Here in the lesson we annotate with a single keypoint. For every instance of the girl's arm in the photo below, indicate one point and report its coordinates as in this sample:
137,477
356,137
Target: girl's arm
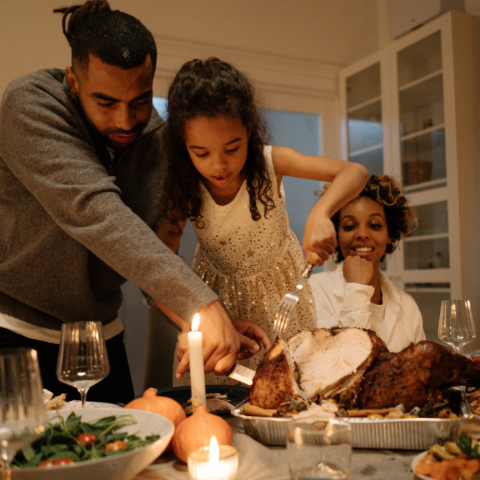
170,234
347,181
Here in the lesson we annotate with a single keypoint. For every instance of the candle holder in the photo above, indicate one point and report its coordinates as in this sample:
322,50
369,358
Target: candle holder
201,467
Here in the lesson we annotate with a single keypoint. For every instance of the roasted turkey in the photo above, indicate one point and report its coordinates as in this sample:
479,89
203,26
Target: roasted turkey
354,367
315,364
415,376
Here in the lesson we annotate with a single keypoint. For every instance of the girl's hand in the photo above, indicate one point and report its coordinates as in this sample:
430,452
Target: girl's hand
358,270
252,337
319,238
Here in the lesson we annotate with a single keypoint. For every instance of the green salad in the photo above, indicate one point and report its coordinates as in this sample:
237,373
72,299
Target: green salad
72,440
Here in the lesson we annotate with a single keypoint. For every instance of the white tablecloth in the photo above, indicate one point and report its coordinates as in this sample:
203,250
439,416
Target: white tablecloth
258,462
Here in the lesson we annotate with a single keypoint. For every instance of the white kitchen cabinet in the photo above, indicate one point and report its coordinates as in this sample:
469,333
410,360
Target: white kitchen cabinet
412,110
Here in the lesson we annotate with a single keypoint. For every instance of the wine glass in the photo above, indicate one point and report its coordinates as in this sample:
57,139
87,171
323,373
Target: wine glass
82,357
456,326
22,413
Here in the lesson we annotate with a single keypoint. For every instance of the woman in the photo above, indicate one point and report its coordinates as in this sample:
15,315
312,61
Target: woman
356,293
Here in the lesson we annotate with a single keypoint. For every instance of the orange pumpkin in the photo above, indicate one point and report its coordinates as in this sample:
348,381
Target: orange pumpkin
197,430
165,406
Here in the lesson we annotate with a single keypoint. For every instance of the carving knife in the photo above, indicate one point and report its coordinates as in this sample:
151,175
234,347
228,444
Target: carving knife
241,374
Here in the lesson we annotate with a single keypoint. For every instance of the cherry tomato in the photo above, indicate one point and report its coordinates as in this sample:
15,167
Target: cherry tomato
116,445
63,461
86,438
46,463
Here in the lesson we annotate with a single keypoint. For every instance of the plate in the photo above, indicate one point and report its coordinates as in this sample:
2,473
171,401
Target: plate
415,463
77,404
124,466
235,395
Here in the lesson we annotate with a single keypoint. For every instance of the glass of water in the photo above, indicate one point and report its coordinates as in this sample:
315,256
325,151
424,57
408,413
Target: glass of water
82,357
322,451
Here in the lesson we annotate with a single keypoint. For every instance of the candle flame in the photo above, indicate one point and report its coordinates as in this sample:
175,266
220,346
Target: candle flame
196,322
214,452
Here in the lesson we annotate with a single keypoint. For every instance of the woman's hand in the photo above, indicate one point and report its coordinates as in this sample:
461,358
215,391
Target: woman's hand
249,331
358,270
319,239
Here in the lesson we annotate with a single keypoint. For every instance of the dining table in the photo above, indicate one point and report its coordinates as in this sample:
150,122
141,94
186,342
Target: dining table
260,462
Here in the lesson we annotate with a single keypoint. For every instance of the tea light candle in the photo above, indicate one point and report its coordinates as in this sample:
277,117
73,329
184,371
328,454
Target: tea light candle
197,368
214,462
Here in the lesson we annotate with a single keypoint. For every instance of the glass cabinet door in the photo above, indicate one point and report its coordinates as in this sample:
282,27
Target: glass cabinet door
428,297
427,250
421,112
364,113
428,246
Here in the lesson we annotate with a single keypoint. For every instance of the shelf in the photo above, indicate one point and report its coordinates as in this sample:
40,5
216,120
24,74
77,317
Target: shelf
419,238
441,182
421,93
420,59
419,133
369,105
363,86
363,151
418,81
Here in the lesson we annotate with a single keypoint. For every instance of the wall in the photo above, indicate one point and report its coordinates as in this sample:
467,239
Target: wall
314,30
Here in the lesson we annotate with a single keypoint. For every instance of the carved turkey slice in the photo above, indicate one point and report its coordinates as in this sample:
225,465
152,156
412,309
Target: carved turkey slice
315,364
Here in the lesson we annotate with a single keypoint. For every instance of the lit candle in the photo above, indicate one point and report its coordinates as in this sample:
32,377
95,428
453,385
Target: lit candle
214,462
197,368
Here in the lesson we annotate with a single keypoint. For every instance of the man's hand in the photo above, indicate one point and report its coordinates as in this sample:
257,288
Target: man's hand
221,342
358,270
251,336
319,238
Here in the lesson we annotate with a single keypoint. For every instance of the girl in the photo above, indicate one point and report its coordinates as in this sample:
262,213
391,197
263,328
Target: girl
357,293
223,177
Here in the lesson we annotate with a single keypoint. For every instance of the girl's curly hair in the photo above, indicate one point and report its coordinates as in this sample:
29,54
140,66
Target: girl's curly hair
209,88
399,216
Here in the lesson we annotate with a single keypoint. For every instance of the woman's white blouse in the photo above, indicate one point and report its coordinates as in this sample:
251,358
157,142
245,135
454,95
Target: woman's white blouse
343,304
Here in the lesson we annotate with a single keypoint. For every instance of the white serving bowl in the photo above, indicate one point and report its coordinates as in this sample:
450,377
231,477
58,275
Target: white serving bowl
123,466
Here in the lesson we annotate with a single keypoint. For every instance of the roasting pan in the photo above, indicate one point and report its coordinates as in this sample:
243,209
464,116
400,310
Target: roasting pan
395,434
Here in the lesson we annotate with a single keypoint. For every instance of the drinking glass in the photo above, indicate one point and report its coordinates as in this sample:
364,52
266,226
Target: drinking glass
322,452
82,357
22,413
456,326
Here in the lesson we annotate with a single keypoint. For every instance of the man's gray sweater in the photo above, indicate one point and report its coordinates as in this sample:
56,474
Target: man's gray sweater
73,224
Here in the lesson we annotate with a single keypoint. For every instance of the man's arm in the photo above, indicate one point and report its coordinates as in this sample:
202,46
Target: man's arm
46,144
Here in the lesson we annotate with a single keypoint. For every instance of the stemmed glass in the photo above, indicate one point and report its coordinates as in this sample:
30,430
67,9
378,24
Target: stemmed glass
82,357
22,413
456,326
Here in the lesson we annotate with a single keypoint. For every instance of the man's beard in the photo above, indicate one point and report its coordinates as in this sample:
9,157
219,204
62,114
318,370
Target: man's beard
114,131
105,134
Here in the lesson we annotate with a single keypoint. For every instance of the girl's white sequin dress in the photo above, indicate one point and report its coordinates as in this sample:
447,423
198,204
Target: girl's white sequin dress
251,264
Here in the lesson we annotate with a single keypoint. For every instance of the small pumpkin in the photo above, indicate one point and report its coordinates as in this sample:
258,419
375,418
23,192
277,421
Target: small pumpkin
165,406
197,430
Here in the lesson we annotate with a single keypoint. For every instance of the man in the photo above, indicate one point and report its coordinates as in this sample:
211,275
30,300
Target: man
80,179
